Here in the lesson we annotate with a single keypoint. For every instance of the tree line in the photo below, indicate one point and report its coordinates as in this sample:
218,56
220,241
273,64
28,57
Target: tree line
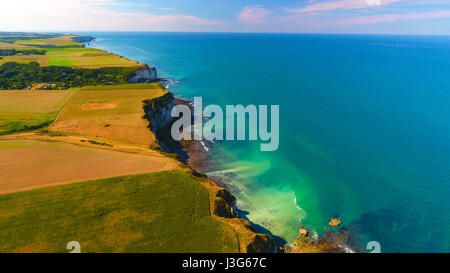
13,52
22,76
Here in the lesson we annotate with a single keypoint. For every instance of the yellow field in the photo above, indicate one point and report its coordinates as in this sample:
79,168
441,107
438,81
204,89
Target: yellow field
32,101
16,60
58,41
123,122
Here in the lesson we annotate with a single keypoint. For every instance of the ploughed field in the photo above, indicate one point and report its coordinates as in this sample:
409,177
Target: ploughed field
28,164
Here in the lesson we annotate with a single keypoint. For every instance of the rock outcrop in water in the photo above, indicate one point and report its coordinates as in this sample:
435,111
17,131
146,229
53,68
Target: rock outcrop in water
303,232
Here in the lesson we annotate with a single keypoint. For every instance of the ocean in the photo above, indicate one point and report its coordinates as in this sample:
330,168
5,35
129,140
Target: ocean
364,127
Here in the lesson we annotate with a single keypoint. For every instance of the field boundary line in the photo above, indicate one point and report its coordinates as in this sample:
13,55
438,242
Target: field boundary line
65,104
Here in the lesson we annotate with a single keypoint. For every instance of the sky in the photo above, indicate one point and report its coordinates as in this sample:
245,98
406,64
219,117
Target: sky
431,17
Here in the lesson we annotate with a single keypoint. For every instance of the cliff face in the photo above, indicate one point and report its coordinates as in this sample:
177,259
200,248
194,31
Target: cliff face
250,241
144,75
158,111
83,39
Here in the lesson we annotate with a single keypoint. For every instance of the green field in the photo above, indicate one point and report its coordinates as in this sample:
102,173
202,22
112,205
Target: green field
22,110
159,212
91,60
60,61
73,51
86,58
129,86
19,122
74,57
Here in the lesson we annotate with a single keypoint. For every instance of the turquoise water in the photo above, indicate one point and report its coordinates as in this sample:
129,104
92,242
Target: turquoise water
364,127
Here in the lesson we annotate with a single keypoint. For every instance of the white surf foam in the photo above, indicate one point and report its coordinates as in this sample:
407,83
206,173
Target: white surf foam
204,146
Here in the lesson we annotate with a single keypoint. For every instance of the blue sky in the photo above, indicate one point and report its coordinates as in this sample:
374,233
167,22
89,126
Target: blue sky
297,16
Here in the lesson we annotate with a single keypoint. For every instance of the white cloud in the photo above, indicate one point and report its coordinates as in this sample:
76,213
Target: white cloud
101,2
383,18
253,15
342,5
374,2
64,15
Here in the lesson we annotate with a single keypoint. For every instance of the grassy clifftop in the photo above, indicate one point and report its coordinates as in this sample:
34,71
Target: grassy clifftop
159,212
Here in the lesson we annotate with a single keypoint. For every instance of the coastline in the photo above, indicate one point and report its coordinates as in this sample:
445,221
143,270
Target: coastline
197,158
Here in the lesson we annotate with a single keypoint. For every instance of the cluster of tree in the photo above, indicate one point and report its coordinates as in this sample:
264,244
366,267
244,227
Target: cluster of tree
21,76
13,52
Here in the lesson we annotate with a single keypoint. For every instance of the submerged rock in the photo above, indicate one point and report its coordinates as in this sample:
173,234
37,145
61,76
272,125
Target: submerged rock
335,222
303,232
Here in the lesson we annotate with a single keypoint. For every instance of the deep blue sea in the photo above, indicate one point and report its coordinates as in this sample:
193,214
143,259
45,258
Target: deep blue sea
364,127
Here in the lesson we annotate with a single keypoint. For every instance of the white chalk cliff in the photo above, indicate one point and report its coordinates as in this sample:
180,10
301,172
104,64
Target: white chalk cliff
144,75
